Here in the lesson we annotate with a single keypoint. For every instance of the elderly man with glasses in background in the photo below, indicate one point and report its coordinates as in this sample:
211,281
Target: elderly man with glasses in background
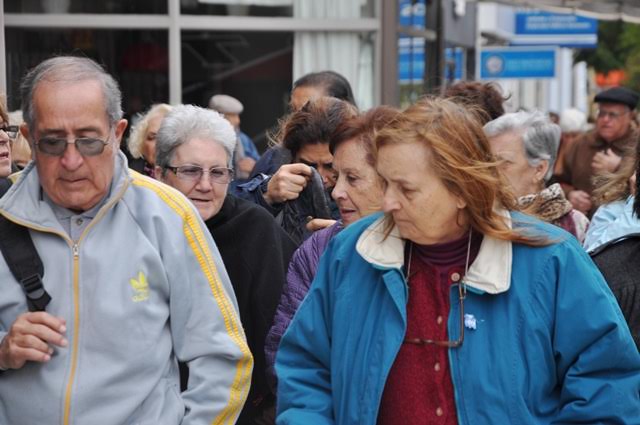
135,280
601,150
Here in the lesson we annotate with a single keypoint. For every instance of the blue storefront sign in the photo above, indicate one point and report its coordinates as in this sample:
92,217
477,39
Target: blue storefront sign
537,22
514,62
455,63
558,29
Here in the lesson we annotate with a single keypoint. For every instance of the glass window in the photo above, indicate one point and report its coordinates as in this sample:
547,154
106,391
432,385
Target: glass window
86,6
238,7
137,59
254,67
272,7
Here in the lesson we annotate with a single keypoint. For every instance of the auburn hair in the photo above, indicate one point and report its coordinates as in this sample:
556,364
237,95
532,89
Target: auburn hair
461,158
363,128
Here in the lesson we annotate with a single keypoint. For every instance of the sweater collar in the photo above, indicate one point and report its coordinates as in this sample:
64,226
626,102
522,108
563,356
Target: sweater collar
490,272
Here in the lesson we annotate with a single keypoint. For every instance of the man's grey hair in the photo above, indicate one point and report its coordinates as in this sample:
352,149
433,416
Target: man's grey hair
186,122
70,69
541,137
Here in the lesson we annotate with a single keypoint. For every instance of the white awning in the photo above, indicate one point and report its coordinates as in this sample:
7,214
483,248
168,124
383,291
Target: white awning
626,10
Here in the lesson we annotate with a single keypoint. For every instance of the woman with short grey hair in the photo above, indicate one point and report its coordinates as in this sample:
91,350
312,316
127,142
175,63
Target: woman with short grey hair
194,153
527,143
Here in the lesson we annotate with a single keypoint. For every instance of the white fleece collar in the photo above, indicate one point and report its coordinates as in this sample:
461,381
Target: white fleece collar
490,271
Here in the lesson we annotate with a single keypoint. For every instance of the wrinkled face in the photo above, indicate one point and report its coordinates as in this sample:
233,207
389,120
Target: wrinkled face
613,121
358,189
301,95
74,110
5,151
318,156
205,194
149,143
523,178
422,208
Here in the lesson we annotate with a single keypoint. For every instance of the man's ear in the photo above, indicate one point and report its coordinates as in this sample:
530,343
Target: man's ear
120,127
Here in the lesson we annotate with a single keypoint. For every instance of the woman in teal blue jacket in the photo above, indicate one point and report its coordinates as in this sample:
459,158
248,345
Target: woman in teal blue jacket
503,319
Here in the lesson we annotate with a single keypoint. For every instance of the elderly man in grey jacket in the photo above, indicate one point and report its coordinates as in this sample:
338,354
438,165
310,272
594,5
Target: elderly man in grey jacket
136,281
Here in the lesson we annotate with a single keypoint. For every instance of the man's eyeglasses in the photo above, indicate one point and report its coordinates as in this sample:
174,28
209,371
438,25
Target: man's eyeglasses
11,130
194,174
87,146
611,114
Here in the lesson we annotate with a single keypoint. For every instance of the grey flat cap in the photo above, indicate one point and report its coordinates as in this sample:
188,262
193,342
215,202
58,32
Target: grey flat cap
225,104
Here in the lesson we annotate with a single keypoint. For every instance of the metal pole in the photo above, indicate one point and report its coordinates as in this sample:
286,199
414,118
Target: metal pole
3,53
175,53
434,69
389,53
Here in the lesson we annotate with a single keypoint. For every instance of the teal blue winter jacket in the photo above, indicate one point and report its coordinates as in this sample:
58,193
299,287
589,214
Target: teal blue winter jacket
549,343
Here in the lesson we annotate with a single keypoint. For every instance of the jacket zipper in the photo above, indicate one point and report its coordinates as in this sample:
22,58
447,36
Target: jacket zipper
76,299
76,330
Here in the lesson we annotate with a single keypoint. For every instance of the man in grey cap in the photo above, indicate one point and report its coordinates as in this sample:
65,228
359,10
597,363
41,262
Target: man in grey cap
246,153
601,150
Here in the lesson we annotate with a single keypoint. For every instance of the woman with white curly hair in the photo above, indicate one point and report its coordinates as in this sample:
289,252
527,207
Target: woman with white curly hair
142,141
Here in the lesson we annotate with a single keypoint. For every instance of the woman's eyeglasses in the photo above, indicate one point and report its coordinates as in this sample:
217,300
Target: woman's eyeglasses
11,130
194,174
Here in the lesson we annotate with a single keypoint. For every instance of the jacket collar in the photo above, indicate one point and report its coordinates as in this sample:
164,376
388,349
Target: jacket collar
490,272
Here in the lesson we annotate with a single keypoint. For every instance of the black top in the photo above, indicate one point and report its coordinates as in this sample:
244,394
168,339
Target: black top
256,253
619,262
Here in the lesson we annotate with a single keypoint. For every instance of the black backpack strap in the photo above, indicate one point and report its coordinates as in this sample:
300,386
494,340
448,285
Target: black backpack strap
24,262
5,184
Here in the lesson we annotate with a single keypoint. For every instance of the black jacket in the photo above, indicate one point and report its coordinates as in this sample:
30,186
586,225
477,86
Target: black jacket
256,253
619,262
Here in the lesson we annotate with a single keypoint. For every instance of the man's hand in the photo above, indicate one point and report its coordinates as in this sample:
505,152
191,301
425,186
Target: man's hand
580,200
319,223
287,183
30,339
605,161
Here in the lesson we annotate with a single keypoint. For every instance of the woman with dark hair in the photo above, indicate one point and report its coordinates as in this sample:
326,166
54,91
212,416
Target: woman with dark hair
484,98
306,170
357,193
452,307
308,87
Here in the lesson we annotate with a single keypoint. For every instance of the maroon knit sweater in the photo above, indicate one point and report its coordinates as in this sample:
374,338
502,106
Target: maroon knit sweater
419,389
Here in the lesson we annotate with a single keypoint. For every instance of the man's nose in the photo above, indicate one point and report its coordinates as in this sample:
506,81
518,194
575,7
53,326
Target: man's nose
71,159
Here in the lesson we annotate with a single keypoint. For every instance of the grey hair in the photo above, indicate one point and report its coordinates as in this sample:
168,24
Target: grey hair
70,69
186,122
541,137
139,130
